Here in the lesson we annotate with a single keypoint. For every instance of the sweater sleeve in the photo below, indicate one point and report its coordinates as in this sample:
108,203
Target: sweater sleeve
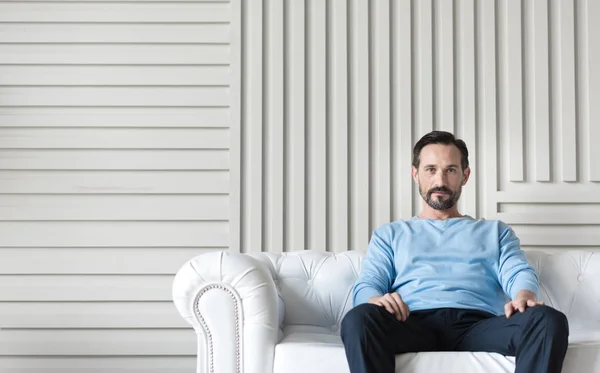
514,272
377,273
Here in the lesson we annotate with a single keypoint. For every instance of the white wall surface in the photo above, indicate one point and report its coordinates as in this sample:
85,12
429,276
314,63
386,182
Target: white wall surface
337,92
137,134
117,122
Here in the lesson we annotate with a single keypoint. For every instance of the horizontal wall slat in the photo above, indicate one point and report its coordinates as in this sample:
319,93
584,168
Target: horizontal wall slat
96,260
113,12
114,96
98,342
113,33
113,75
113,182
558,249
558,235
114,159
112,1
114,117
31,315
114,138
74,54
556,208
575,193
113,207
565,218
106,234
86,288
111,364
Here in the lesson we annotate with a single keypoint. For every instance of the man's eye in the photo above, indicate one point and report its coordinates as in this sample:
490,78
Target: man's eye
451,170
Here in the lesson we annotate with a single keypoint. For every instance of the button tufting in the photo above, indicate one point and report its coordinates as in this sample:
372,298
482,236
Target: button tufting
580,278
334,328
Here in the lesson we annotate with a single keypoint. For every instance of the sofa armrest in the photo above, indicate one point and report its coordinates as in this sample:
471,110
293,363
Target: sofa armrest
231,301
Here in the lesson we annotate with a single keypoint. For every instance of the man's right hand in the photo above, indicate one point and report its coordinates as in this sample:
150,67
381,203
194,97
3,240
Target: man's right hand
393,303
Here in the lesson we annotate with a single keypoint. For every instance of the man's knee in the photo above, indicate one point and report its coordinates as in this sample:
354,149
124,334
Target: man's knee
357,319
554,320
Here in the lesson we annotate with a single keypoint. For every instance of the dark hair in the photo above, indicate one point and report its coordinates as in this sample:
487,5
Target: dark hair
440,137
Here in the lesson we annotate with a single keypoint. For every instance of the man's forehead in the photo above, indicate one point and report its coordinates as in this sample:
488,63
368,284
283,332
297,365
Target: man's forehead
439,153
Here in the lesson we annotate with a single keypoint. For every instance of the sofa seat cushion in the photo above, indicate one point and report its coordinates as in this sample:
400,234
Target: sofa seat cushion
320,350
583,336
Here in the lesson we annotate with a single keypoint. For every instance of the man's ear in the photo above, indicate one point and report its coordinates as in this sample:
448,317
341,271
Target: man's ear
466,174
415,174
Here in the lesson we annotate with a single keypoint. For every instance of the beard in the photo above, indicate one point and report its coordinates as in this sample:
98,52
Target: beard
441,202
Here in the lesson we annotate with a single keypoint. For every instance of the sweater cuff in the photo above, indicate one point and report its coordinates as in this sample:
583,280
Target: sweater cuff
364,294
524,282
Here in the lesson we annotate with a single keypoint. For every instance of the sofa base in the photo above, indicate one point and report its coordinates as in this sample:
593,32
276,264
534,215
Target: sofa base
317,350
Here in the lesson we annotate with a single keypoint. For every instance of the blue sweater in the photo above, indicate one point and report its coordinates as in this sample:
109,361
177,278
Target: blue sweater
457,263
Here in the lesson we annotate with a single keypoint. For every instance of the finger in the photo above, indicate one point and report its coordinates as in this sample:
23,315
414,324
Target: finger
540,303
386,304
532,303
405,311
508,309
513,309
522,305
401,305
383,304
390,298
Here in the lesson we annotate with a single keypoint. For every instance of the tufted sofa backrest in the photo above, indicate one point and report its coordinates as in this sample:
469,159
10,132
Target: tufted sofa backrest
315,288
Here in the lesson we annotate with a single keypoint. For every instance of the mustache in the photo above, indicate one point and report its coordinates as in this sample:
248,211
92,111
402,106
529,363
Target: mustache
440,190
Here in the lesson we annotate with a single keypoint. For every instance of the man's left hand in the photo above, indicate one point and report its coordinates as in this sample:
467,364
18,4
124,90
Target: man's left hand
525,299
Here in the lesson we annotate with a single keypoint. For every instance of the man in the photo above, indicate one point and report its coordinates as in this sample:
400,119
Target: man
443,281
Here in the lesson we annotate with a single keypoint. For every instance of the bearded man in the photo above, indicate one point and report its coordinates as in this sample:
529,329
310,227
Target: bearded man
443,281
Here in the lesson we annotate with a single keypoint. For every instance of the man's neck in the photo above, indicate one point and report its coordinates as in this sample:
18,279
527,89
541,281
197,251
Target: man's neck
430,213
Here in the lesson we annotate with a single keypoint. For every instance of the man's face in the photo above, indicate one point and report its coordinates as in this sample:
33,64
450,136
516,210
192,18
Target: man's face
440,175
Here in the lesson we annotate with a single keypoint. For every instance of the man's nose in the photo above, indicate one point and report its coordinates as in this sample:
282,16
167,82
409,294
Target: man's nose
440,179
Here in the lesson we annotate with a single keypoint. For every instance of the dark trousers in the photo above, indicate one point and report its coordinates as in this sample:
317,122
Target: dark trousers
372,336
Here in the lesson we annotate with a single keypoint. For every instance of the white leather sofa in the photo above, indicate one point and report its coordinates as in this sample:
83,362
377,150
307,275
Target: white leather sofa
280,313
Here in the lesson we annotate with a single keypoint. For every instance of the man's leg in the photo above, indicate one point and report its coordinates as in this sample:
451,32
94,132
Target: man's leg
538,338
372,337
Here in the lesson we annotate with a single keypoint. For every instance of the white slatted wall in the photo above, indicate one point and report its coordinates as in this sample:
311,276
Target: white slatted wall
119,160
338,91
